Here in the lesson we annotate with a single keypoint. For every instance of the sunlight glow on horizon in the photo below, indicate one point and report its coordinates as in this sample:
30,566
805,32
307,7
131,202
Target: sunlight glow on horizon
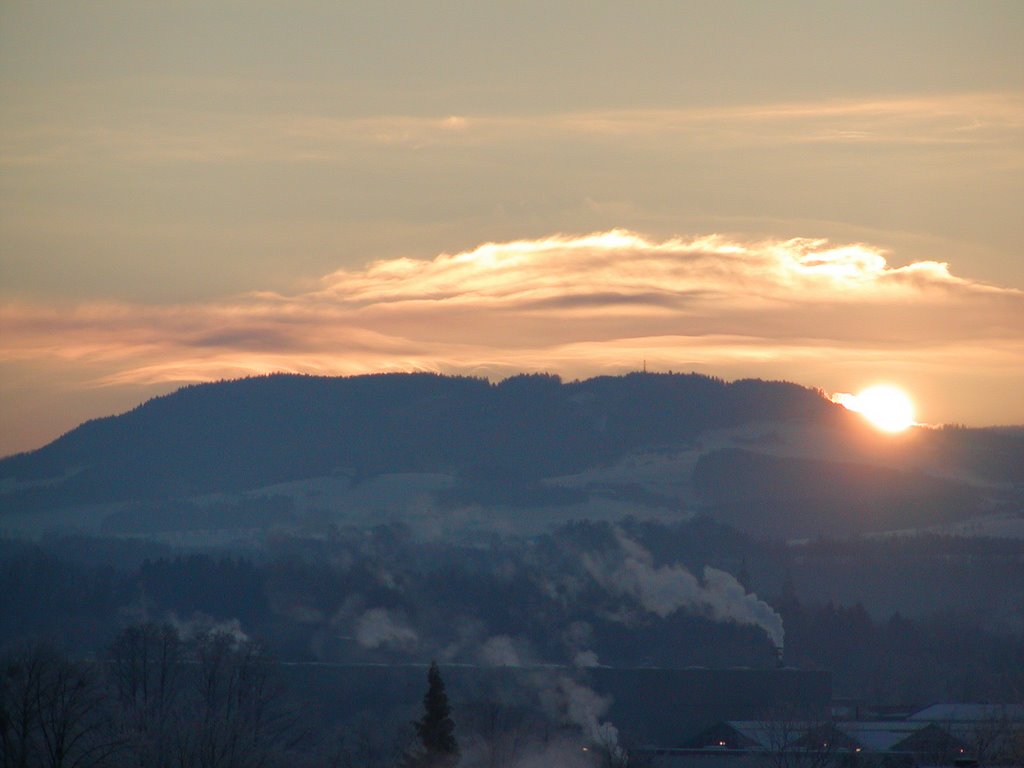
799,309
885,407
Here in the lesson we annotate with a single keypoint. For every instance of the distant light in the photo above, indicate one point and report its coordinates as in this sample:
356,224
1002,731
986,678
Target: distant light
887,408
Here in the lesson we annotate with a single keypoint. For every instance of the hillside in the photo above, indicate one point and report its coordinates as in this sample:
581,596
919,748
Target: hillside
770,457
237,435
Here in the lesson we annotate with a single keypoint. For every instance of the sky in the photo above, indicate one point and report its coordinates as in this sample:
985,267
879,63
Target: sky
828,193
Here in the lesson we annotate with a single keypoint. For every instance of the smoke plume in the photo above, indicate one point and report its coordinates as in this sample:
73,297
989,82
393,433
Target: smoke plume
669,588
570,702
501,651
378,627
202,624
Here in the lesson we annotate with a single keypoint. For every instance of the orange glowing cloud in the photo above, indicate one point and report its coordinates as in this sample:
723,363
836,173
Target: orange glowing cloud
576,304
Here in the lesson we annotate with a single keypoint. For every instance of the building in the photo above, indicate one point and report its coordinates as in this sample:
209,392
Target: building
940,735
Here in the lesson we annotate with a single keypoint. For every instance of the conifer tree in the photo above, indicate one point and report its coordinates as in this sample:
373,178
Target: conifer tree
437,745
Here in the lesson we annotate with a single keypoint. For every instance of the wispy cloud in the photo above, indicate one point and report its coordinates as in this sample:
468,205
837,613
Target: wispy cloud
202,134
575,304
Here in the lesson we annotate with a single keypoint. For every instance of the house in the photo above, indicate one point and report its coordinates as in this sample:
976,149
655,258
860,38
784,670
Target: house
941,735
987,733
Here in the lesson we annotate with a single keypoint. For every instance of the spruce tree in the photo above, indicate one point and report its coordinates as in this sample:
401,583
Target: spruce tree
436,730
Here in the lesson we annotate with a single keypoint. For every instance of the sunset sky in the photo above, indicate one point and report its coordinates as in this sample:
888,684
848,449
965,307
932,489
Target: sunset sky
829,193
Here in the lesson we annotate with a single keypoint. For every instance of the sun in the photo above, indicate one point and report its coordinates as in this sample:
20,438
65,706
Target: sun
886,407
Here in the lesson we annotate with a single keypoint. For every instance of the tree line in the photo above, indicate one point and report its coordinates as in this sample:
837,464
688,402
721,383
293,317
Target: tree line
309,599
156,699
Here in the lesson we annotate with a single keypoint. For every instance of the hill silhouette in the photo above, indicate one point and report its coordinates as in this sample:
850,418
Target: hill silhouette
772,458
235,435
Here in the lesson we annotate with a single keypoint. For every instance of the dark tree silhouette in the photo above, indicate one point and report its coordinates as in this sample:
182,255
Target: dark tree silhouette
53,713
237,716
145,672
437,746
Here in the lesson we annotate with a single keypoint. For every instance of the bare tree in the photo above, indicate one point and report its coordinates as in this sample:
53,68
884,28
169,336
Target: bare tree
53,713
986,736
371,742
1013,748
997,738
791,738
234,716
499,731
20,724
145,673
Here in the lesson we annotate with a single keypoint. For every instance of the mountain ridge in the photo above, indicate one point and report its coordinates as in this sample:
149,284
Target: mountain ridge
773,458
244,433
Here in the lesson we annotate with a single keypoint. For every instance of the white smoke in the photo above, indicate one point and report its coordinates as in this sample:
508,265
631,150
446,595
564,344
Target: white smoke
729,600
563,754
669,588
378,627
568,701
303,614
501,651
202,624
585,659
469,637
578,636
531,753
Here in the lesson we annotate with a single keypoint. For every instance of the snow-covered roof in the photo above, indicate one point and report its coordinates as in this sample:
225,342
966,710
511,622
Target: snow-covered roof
755,730
957,723
879,736
764,732
969,713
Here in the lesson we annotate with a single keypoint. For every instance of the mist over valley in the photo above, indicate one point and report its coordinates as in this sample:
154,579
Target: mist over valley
560,531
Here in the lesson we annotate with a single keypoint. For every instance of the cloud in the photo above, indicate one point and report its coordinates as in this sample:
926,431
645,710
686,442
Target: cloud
204,135
575,304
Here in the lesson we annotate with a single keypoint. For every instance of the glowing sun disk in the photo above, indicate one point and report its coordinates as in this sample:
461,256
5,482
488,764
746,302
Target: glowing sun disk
885,407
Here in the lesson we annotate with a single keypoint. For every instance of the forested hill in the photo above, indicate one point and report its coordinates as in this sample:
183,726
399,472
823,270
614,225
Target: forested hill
235,435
